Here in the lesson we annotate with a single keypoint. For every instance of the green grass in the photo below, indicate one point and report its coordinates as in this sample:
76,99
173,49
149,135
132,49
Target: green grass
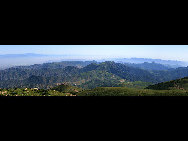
100,91
122,91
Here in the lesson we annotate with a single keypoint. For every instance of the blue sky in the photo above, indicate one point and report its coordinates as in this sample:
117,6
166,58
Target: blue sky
171,52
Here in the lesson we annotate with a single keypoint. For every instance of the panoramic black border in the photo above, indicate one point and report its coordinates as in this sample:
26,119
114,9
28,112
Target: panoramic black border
94,37
96,34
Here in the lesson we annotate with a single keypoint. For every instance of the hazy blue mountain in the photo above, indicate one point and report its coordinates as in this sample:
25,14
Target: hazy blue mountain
10,60
149,66
56,65
169,63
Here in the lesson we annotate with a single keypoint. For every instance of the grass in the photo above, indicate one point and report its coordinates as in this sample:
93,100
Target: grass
122,91
100,91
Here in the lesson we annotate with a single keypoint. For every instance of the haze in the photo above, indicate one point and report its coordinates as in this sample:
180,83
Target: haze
37,54
171,52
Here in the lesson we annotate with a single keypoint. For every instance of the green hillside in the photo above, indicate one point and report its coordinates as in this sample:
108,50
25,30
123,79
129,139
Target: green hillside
107,74
124,91
181,84
66,88
89,76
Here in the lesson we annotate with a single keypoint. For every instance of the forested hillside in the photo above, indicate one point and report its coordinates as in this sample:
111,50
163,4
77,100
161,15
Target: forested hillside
91,76
181,84
86,75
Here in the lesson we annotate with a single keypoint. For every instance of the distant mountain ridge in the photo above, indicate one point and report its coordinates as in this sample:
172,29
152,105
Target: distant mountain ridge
170,63
149,66
10,60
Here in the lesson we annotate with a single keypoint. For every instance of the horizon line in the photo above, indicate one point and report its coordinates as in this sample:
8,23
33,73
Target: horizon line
106,57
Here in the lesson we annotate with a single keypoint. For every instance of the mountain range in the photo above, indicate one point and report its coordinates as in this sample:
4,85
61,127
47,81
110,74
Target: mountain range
169,63
12,60
88,74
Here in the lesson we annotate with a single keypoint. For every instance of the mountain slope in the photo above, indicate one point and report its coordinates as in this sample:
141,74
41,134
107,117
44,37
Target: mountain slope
174,84
93,75
106,74
123,71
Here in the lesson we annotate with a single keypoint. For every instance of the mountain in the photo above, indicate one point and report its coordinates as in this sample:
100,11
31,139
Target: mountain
171,74
149,66
15,60
93,79
123,71
88,75
12,60
169,85
56,65
169,63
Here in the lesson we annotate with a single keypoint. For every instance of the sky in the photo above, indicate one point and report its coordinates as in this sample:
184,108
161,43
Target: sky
166,52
